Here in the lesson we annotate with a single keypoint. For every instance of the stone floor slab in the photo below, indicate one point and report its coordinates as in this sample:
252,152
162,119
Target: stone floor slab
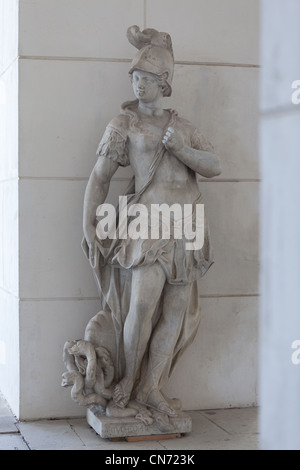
7,419
12,442
7,425
49,435
234,421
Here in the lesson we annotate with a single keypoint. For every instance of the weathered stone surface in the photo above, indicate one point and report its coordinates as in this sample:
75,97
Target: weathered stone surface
151,308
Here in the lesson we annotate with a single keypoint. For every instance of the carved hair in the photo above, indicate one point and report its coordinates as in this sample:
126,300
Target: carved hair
162,81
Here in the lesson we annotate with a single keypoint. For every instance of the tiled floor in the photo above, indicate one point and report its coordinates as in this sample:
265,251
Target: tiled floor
229,429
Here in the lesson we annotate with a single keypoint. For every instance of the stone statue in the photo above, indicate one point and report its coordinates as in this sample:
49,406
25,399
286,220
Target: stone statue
148,285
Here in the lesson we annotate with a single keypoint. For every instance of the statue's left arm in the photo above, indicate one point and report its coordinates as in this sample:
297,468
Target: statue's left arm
199,155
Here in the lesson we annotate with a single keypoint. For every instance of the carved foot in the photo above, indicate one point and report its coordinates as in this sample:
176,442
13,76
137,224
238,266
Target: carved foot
133,410
157,401
175,403
163,422
115,411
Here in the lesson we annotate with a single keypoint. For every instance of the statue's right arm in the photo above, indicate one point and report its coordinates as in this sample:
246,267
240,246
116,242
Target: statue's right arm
95,194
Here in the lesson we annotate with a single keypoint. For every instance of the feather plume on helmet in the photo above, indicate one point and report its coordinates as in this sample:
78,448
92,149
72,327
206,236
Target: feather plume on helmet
155,54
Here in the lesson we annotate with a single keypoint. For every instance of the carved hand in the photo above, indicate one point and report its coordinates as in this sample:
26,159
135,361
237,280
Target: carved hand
173,140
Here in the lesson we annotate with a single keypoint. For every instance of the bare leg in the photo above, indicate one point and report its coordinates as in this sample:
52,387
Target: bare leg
147,285
163,343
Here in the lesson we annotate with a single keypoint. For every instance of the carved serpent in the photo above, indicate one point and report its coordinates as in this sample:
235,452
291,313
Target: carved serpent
77,380
85,348
91,370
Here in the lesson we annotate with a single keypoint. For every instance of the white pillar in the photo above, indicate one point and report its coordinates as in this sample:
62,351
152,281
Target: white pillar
9,263
280,226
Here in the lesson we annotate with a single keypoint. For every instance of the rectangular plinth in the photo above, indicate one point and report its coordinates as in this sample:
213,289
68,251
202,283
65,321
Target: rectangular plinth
109,428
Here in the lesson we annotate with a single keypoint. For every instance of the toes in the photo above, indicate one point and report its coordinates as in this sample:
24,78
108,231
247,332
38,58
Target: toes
164,408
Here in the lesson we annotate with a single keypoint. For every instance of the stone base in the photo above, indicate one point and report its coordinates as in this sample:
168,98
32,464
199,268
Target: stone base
110,428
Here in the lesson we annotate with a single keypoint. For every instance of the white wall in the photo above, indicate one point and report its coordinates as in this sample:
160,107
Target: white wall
9,272
280,223
74,60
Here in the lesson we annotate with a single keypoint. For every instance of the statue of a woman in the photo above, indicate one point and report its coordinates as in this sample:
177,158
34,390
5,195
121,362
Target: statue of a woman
149,286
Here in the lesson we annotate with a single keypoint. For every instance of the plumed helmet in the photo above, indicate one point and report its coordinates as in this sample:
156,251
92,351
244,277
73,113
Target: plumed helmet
155,53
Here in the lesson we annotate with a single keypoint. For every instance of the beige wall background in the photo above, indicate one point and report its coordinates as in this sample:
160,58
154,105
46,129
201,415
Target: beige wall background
62,81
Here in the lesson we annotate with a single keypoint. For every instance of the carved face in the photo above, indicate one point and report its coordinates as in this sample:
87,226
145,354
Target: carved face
146,86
